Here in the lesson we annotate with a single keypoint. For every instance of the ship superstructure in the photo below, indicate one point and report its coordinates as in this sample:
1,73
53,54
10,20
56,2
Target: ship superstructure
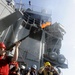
43,44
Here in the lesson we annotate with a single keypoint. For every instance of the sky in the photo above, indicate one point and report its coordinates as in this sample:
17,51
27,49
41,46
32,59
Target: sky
63,12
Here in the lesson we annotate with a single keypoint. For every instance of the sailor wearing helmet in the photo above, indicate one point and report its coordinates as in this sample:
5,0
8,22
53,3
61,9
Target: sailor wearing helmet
5,60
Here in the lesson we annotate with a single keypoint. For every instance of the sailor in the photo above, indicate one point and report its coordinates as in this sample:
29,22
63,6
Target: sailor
33,70
5,60
29,3
47,69
27,71
14,68
22,68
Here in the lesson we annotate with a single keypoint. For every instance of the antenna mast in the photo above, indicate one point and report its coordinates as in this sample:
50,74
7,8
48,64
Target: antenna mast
20,4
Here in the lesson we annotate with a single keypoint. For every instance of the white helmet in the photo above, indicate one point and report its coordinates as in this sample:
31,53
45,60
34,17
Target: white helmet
23,67
34,66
